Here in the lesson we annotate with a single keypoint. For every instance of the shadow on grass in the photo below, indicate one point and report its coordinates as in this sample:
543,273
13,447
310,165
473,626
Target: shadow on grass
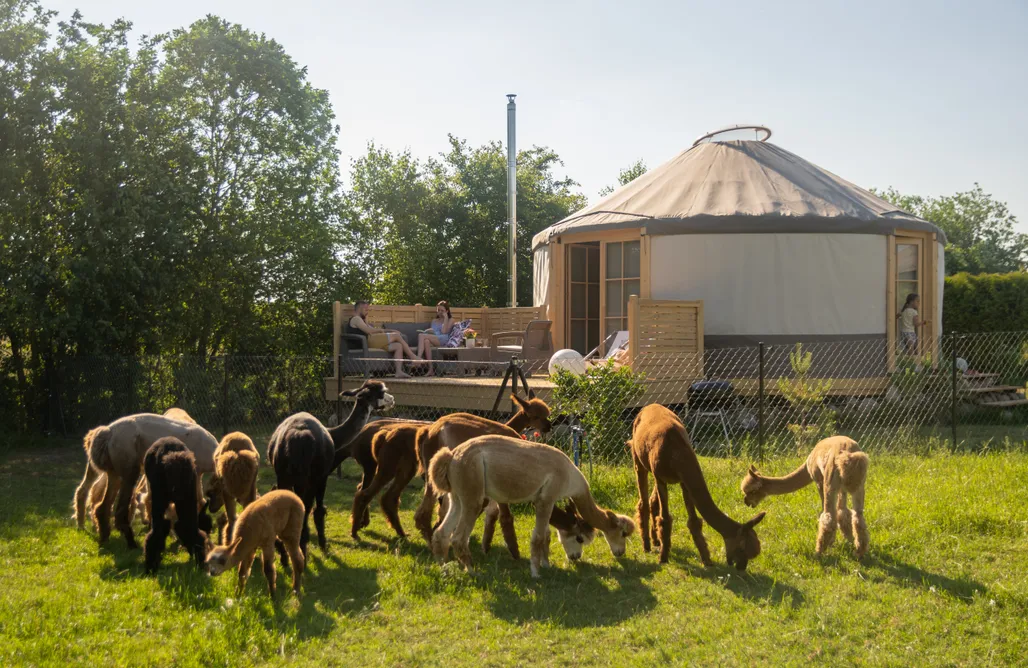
914,577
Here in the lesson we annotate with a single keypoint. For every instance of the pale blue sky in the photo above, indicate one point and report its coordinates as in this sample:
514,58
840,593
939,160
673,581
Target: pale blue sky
924,96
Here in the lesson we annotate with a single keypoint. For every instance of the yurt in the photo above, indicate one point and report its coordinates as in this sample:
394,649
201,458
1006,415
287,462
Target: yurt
776,248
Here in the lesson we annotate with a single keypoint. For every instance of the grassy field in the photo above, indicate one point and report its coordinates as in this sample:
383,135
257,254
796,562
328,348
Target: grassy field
945,583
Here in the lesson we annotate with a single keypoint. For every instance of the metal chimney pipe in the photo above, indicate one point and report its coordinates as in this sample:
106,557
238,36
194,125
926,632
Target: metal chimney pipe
512,199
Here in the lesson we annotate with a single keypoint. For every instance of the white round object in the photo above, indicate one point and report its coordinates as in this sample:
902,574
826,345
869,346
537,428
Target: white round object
962,365
571,360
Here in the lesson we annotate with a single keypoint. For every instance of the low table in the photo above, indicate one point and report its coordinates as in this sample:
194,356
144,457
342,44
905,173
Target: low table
469,360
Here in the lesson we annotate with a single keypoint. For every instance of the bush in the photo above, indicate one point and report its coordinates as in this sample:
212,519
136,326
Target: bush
598,399
985,303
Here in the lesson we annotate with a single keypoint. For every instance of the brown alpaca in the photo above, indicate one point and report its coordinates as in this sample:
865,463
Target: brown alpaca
450,431
839,467
235,467
511,470
661,446
277,514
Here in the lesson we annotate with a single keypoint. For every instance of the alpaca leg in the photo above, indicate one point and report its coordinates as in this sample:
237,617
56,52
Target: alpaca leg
370,470
268,562
230,519
655,511
244,571
442,536
664,530
642,509
362,499
510,536
696,529
123,511
843,516
826,523
153,546
82,495
540,536
424,512
391,497
462,534
492,513
298,564
102,512
861,537
319,514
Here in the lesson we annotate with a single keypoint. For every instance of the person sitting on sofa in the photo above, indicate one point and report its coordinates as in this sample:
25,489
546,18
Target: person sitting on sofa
439,334
389,340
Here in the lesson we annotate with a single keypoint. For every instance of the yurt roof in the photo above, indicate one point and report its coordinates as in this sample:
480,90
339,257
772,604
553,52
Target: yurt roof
739,186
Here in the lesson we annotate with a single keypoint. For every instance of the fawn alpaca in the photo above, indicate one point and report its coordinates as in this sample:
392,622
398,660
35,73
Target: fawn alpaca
661,446
236,462
839,467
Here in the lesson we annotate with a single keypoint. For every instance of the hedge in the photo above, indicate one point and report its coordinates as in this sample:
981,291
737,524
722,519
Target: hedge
985,303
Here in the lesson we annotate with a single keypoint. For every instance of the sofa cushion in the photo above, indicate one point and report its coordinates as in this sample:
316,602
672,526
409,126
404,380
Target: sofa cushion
409,330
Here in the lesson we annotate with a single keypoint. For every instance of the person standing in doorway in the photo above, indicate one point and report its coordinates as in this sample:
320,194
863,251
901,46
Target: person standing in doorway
909,322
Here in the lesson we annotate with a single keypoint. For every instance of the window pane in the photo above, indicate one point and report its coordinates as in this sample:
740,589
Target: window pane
594,265
614,298
578,340
904,288
594,334
633,259
906,262
578,264
613,325
594,301
578,300
631,288
614,260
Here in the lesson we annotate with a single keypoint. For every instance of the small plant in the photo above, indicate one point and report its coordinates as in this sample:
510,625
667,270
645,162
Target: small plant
470,334
598,398
806,397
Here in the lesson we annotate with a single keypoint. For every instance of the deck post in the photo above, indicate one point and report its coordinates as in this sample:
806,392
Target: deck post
760,404
953,338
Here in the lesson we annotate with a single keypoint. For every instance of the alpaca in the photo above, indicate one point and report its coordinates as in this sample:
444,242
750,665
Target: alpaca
511,470
386,450
302,452
235,467
277,516
140,495
115,460
179,414
660,445
452,430
171,475
839,467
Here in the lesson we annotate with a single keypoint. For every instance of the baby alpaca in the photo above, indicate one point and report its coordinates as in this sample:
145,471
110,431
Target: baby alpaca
277,514
171,475
839,467
235,476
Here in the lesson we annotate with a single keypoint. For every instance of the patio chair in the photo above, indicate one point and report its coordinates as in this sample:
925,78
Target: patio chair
615,342
535,343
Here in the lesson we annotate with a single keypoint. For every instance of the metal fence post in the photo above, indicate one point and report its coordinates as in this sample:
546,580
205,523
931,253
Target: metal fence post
953,389
760,405
224,395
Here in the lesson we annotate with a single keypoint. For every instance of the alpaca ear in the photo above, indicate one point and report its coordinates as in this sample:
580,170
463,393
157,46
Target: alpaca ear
349,393
753,469
756,520
517,400
531,393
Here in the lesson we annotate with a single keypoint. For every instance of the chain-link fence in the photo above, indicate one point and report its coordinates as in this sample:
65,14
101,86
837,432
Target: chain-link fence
957,392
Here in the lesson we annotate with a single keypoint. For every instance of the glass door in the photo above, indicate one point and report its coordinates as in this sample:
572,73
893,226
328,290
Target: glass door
909,281
621,281
583,297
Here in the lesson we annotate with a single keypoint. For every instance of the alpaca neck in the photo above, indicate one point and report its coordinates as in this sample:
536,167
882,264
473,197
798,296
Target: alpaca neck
796,480
348,430
692,479
519,422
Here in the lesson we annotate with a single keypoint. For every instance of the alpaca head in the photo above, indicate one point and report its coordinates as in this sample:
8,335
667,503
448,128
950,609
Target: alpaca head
575,539
744,545
373,393
214,492
617,535
753,488
537,412
220,558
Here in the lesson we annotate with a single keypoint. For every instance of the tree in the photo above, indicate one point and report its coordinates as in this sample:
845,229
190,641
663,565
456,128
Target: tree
627,175
980,230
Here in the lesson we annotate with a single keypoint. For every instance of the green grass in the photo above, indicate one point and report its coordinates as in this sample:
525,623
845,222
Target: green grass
945,583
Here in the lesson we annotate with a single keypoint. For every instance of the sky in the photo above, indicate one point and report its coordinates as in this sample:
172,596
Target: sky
927,97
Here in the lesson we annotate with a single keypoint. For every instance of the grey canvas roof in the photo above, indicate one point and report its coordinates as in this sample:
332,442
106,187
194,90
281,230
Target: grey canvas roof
726,187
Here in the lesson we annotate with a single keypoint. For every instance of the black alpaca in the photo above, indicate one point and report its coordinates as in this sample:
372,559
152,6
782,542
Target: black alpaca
171,475
302,452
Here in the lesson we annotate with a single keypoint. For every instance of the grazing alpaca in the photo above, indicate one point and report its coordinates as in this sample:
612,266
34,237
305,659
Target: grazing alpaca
235,467
386,450
302,452
277,516
839,467
661,446
171,475
115,460
511,470
450,431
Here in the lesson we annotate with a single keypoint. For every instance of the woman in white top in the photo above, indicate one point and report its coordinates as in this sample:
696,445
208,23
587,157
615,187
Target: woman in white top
437,336
909,321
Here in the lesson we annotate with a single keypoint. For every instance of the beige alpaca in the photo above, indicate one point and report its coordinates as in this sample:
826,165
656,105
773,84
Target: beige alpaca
277,514
235,475
511,470
839,467
114,464
179,414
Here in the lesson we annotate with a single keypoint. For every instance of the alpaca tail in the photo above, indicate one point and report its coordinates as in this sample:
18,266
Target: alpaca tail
439,470
97,445
852,468
596,517
420,441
